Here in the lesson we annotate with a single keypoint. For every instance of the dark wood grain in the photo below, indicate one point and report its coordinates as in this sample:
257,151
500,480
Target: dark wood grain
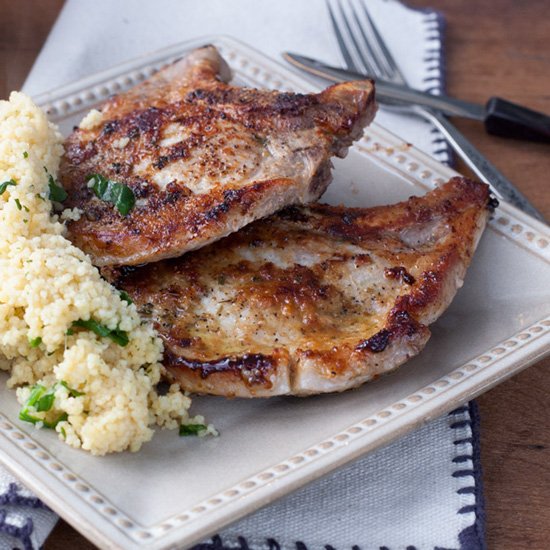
502,48
25,26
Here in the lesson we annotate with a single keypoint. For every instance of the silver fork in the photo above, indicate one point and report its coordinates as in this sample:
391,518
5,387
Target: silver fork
366,52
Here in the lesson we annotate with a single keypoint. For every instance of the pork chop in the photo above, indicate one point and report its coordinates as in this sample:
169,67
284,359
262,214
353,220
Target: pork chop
313,299
202,158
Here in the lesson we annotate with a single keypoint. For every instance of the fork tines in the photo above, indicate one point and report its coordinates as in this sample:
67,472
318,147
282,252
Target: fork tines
360,42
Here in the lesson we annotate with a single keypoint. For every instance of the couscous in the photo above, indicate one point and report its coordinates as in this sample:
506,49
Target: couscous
83,362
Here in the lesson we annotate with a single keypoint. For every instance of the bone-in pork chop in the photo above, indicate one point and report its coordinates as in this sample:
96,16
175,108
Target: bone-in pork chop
313,299
202,158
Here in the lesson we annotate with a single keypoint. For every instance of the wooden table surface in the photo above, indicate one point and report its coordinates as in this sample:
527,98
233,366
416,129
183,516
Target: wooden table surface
499,47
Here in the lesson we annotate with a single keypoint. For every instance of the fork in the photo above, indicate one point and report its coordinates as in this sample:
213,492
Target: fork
366,52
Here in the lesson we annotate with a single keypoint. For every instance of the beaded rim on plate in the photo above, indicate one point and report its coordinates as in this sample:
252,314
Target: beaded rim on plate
514,352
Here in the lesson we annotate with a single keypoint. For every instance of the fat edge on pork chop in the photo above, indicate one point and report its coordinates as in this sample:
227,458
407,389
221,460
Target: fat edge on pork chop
202,158
313,299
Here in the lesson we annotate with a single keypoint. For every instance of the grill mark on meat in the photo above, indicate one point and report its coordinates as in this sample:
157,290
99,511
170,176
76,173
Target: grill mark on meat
254,368
492,204
399,273
80,153
377,343
110,127
326,312
294,214
400,324
187,128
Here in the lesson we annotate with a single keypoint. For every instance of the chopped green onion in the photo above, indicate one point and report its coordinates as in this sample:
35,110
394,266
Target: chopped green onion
72,392
21,206
35,342
192,429
26,417
57,193
118,336
4,186
25,155
51,425
124,296
118,194
40,400
45,403
36,391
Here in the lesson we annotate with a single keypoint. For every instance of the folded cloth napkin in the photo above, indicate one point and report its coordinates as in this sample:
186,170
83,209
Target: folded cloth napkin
24,521
422,492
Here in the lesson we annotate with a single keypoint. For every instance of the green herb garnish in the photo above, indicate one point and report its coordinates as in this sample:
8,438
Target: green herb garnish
35,342
124,296
192,429
21,206
25,155
25,416
45,403
41,399
36,392
72,392
4,186
118,336
116,193
57,193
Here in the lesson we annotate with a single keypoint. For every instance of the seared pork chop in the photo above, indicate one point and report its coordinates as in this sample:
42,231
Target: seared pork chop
313,299
202,158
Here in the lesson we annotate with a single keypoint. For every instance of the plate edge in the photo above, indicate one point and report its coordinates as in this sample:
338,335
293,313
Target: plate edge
526,220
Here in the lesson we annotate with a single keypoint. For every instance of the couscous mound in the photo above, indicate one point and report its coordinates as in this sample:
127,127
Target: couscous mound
82,360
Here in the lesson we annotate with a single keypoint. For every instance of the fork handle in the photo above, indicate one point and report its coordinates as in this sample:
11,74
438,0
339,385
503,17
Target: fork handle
506,119
485,170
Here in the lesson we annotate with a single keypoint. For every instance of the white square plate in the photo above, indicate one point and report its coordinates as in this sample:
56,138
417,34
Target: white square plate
176,491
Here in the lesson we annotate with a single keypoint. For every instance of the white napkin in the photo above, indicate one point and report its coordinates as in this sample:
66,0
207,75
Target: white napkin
419,493
91,36
24,521
423,491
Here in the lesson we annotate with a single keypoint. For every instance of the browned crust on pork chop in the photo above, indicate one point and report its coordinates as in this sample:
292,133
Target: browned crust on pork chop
313,299
203,158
